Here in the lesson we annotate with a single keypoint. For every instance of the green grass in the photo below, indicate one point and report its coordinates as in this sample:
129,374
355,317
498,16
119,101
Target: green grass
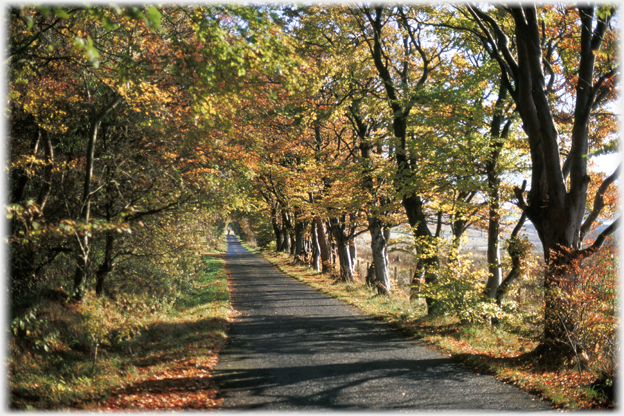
53,363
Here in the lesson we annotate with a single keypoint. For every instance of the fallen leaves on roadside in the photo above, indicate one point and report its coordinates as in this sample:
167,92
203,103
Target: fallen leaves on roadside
185,384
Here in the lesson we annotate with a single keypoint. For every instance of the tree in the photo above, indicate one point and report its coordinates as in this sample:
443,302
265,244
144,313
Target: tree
584,57
374,182
129,109
403,92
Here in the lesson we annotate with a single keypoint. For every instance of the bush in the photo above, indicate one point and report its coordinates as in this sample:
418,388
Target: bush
459,290
586,309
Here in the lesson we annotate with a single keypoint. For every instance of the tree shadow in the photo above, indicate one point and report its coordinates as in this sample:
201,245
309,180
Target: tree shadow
163,342
378,385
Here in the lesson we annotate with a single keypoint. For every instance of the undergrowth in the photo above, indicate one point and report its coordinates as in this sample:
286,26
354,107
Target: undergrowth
67,355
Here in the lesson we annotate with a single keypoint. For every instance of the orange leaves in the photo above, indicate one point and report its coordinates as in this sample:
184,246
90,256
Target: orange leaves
186,384
584,299
171,155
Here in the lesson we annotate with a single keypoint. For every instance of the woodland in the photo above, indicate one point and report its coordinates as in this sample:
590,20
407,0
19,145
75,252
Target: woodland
137,136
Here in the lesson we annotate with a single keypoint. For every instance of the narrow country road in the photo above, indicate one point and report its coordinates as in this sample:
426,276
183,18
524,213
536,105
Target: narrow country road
294,348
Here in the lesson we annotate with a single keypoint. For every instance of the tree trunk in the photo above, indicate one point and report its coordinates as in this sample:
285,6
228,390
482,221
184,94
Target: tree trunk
299,230
353,254
345,261
82,242
493,251
279,240
428,260
493,181
293,244
371,277
46,186
516,263
323,244
387,233
107,264
316,248
285,233
380,254
342,245
286,245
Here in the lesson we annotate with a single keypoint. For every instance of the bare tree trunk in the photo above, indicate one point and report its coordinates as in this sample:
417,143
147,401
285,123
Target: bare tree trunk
493,179
82,241
516,264
285,233
293,244
380,255
323,244
353,254
345,261
46,187
342,244
316,248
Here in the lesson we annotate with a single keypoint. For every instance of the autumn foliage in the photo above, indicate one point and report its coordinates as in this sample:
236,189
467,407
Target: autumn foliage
139,135
588,308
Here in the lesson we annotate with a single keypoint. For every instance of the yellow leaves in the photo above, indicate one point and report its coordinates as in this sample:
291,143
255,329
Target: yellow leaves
42,103
171,155
207,108
28,164
142,96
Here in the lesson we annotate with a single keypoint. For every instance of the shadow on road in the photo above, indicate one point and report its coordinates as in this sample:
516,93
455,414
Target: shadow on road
295,348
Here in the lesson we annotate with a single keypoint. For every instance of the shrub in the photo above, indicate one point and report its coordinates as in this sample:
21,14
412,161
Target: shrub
586,308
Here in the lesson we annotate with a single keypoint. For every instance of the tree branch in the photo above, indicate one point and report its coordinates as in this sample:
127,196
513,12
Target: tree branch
600,240
519,193
516,261
599,201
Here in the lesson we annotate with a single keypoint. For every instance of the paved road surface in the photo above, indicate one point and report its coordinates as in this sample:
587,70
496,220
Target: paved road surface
294,348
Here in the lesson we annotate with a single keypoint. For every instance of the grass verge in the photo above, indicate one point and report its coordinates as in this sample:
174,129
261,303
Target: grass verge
131,353
507,355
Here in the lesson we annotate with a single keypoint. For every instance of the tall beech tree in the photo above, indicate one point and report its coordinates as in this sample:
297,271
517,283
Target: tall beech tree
481,105
379,205
557,198
403,90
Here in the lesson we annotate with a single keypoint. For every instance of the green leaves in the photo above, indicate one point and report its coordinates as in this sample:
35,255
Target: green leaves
603,12
87,48
152,17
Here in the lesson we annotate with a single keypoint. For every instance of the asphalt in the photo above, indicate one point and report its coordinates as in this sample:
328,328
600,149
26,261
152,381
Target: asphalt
293,348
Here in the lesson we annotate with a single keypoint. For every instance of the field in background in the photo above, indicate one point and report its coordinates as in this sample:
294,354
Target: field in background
401,258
